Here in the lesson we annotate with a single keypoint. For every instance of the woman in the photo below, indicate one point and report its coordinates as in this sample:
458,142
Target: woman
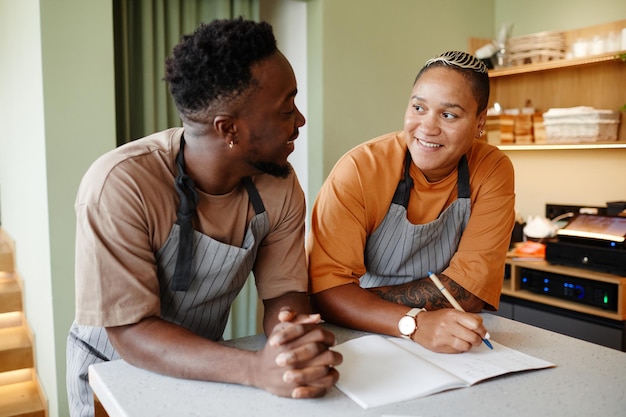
428,198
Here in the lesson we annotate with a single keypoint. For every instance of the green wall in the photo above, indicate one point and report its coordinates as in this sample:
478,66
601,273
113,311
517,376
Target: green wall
363,57
532,16
364,54
57,113
79,105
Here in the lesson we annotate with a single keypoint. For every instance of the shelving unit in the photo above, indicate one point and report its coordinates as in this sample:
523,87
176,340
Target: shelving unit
556,146
513,287
598,81
555,65
601,321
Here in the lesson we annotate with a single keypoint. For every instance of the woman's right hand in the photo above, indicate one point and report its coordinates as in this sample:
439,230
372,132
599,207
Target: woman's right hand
449,330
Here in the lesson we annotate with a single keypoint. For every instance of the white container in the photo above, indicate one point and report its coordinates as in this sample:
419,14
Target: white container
580,48
613,42
580,124
597,46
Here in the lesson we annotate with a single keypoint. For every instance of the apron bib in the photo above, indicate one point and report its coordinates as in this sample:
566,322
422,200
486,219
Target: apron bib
399,251
199,277
218,272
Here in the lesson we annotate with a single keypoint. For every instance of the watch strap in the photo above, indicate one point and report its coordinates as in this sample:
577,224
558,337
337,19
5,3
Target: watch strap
413,314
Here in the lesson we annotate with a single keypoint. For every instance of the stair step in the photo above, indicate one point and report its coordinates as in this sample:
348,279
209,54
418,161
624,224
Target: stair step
15,348
10,292
20,395
6,252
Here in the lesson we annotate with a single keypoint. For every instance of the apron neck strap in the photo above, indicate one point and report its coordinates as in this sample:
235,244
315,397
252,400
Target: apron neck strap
186,190
403,191
463,182
254,196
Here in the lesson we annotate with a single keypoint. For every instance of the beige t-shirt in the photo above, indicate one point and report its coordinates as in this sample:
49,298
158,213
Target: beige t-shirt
126,207
356,197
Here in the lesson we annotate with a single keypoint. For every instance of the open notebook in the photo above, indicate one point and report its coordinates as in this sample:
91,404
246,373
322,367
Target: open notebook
378,370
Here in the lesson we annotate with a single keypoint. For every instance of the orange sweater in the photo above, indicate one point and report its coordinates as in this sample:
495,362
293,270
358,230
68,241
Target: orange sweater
357,194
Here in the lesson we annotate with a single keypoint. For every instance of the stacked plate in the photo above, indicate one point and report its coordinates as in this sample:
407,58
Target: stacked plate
537,47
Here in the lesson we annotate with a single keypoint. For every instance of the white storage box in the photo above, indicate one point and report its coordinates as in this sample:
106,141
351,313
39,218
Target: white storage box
580,124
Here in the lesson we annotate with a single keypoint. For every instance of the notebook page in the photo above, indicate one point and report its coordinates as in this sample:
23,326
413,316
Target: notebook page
480,362
376,372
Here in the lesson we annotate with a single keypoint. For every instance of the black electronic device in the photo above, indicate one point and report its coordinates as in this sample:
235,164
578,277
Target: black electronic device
580,290
602,259
605,231
591,242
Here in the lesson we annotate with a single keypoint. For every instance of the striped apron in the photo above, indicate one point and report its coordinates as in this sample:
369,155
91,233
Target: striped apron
399,251
217,272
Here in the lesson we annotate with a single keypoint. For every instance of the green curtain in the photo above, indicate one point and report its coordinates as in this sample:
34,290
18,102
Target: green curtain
145,31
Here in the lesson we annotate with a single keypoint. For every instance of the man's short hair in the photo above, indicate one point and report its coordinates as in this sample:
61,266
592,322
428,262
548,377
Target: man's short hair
212,65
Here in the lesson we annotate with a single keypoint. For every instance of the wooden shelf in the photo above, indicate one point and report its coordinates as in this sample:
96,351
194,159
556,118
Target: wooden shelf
563,146
556,64
513,287
597,81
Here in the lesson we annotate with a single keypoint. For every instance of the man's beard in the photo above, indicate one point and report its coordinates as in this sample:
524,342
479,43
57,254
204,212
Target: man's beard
275,170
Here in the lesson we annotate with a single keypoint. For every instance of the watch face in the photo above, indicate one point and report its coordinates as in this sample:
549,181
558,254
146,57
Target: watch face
406,325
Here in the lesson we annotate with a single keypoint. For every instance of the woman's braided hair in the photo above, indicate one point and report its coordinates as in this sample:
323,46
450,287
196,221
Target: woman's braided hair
473,69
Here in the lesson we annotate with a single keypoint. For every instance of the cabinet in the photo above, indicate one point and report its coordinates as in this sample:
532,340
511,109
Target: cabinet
601,325
598,81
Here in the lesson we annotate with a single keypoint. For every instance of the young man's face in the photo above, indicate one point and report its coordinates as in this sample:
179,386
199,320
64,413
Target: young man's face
270,117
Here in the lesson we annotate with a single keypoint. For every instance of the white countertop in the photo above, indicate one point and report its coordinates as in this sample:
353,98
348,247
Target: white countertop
589,380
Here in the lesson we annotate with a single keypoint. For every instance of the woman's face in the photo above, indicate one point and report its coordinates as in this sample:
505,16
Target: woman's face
440,123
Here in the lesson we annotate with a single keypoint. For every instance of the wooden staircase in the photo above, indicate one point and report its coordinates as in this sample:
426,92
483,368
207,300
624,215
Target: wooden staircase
20,390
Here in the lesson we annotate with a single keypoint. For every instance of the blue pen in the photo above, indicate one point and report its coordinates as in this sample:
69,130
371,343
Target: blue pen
452,301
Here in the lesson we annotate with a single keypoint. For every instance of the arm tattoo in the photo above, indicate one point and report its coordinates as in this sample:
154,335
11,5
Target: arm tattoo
423,293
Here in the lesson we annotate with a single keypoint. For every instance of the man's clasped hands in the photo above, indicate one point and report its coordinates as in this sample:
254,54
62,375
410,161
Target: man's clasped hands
296,360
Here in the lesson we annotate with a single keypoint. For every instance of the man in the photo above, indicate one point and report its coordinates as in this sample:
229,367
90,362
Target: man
170,226
429,198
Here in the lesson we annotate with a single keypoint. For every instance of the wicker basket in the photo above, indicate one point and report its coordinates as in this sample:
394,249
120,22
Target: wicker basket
580,124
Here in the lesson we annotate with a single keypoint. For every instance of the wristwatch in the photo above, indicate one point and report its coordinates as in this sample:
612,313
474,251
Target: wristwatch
408,323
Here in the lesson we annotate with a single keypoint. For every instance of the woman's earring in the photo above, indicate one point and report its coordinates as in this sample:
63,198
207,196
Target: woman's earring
230,145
